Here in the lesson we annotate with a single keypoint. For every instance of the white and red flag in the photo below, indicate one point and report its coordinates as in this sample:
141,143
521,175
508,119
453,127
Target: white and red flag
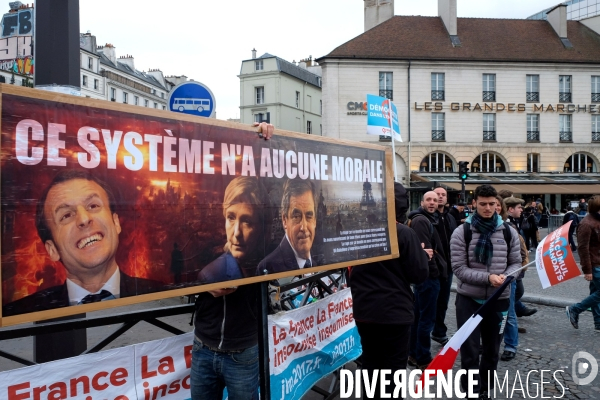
444,361
554,259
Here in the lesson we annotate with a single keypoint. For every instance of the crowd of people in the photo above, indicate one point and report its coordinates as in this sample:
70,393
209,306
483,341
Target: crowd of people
478,247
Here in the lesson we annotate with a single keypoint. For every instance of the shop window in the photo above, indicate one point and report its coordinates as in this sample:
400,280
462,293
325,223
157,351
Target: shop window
488,162
437,162
580,162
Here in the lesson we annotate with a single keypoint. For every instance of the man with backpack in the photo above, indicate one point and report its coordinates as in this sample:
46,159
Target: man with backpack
571,216
485,250
423,222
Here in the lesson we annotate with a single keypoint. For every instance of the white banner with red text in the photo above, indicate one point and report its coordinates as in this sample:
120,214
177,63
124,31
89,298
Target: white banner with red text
153,370
309,343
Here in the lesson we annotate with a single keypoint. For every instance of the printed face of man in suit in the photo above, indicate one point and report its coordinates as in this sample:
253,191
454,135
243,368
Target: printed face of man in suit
300,223
242,228
85,233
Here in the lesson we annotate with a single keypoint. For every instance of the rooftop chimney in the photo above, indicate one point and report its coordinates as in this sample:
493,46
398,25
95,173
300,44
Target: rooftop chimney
109,52
377,11
447,11
557,17
253,53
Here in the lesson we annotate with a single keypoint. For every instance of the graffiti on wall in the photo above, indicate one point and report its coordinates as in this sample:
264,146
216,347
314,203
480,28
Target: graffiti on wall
18,23
14,47
22,66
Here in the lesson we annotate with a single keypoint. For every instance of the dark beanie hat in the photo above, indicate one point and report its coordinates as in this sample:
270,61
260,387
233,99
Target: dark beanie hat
401,201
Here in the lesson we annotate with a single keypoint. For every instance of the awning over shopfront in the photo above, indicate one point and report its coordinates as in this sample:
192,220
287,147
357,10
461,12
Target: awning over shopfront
518,183
519,188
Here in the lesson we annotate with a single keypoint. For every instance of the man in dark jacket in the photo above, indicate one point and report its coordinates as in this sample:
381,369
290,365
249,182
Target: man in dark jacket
423,221
588,238
458,212
445,227
571,216
383,299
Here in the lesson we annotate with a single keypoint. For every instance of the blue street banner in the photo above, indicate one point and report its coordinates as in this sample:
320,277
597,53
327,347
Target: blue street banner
378,117
309,343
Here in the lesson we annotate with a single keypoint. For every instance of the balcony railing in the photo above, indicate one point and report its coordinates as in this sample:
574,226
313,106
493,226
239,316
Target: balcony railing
489,96
438,135
566,136
533,96
595,97
489,135
387,93
437,95
533,136
564,97
595,136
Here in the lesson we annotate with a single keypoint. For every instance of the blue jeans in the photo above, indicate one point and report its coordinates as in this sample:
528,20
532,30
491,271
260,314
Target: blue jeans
213,371
511,331
426,294
593,300
440,330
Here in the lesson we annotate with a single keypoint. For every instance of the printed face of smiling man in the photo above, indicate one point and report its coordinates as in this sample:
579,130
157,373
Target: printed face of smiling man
85,233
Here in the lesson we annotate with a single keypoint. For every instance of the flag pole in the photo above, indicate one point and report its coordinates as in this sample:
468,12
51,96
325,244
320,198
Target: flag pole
391,114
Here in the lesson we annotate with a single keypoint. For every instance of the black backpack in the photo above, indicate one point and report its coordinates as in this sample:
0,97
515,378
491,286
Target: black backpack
469,236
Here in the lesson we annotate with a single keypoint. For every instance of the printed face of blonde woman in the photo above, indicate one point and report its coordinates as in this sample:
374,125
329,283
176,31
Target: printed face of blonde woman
242,228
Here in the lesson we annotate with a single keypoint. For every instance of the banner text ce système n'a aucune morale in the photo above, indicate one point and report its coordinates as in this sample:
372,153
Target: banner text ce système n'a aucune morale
159,204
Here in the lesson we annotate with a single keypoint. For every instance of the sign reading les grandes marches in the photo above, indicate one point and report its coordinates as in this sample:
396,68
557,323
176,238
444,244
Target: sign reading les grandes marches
106,205
554,259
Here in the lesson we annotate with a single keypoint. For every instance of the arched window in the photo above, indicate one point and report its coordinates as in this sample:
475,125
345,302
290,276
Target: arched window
437,162
580,162
533,162
488,162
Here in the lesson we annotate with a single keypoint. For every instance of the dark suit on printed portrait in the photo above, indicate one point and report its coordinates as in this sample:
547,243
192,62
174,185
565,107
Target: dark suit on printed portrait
283,259
58,296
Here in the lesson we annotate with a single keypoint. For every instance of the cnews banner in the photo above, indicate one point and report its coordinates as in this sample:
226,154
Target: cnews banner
106,204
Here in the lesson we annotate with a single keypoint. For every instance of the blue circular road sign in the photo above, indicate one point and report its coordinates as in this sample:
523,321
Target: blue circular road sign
192,98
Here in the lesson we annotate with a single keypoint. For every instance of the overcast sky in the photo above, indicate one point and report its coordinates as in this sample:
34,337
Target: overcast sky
207,40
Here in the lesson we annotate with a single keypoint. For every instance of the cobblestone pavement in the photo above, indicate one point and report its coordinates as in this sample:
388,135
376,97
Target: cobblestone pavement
549,344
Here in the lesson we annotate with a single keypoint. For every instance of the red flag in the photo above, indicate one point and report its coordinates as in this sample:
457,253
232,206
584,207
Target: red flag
554,259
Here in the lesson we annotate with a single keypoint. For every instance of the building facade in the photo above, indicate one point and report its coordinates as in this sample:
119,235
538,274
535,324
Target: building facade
518,99
106,77
282,93
576,10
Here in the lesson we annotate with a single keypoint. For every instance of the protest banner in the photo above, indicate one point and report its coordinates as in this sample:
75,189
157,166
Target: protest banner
162,204
378,117
308,343
106,375
554,258
153,370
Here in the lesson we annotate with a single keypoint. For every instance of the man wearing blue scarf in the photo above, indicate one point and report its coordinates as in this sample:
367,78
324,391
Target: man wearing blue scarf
480,266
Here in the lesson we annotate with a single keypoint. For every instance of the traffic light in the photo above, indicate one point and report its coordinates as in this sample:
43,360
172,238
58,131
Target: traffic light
463,170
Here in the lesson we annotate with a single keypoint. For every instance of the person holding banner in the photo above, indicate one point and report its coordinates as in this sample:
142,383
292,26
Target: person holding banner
225,351
383,300
588,240
483,255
